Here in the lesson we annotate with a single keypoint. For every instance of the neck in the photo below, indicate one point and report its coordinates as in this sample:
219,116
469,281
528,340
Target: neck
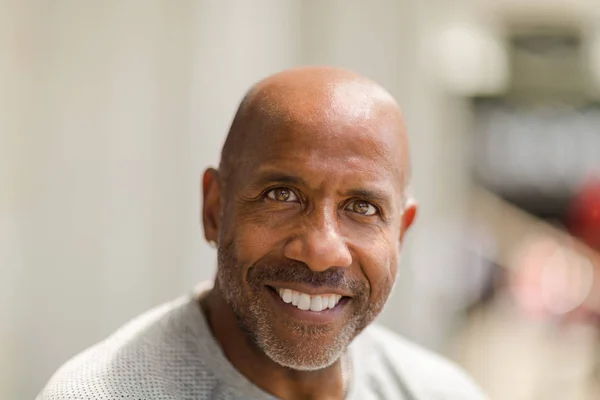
250,361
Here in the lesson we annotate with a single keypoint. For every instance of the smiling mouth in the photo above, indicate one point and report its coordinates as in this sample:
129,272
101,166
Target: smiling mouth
307,302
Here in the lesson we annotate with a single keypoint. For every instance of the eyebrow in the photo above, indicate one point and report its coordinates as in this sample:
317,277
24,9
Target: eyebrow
377,196
279,177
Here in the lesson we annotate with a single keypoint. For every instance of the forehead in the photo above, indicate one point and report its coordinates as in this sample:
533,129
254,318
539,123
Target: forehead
306,144
358,149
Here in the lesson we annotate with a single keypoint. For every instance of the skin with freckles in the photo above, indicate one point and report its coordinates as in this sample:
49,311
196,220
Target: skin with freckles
310,193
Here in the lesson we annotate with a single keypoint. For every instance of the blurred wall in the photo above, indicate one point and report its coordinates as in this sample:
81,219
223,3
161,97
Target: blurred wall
111,110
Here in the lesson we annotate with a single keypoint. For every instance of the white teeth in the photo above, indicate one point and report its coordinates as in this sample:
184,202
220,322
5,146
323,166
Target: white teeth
332,300
306,302
316,304
287,295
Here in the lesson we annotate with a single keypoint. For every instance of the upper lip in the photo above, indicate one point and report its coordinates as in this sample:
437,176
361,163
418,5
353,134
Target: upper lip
309,289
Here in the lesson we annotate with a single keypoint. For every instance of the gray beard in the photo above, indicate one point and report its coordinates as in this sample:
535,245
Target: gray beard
292,353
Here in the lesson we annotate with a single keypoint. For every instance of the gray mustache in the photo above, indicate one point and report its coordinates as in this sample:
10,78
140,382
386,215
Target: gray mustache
297,272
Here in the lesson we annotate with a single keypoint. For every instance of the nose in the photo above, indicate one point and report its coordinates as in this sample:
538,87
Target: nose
319,243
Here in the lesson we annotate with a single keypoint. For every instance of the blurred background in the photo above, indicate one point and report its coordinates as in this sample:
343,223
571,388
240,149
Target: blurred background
110,111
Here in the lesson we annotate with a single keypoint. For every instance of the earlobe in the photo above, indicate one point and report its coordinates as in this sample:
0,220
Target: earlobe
211,205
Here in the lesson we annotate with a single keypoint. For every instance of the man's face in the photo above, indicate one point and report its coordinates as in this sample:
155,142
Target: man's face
310,238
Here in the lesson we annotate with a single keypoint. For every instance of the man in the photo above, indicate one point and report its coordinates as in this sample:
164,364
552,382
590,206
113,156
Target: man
308,211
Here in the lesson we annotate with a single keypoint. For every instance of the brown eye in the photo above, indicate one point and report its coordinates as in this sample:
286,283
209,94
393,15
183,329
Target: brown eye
362,207
282,194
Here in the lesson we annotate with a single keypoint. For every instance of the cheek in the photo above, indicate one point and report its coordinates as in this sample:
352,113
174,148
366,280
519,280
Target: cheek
379,263
254,236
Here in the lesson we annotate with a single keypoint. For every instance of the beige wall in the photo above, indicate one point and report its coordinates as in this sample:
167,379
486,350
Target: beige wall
110,111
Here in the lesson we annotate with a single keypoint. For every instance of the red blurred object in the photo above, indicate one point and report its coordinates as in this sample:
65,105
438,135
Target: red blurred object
550,279
584,214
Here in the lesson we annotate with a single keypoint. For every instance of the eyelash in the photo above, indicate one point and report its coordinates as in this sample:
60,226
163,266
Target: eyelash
377,209
273,189
348,203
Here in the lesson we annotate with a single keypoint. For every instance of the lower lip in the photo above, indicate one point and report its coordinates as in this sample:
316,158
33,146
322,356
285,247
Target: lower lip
319,317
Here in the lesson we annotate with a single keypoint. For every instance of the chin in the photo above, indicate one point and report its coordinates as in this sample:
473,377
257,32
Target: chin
303,358
303,347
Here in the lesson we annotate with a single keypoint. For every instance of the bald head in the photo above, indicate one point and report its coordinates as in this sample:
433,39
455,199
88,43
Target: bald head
313,94
330,100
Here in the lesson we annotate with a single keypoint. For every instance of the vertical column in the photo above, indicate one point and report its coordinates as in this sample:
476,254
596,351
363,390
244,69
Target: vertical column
14,90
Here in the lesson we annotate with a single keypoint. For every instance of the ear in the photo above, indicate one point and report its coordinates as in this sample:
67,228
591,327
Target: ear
211,205
408,217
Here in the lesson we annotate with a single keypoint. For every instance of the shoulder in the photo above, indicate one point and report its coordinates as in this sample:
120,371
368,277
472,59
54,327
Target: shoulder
147,358
422,373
